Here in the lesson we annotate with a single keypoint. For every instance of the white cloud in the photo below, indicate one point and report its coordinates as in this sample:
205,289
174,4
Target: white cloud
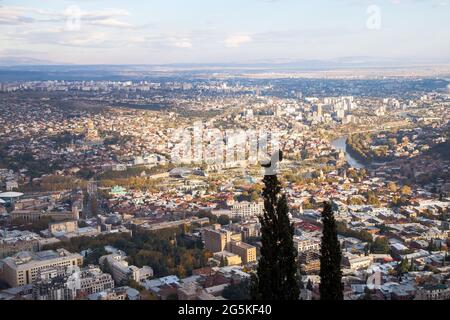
106,18
111,23
105,14
89,40
433,2
13,16
182,43
137,39
237,40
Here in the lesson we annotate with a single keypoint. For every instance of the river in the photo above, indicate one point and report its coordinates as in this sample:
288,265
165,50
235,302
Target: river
341,144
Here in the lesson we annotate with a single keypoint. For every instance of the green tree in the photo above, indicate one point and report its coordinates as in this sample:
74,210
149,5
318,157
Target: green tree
172,296
147,295
237,291
94,206
367,294
223,220
406,190
277,277
331,287
34,226
372,198
392,187
432,247
402,267
254,196
223,262
380,246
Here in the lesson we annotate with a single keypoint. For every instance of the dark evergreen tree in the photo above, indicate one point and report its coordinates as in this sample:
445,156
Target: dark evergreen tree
331,287
222,262
402,268
367,294
309,285
301,285
277,277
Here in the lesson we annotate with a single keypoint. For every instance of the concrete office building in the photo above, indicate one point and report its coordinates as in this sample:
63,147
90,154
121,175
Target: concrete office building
220,240
216,239
90,280
228,258
24,267
63,227
245,251
51,284
70,283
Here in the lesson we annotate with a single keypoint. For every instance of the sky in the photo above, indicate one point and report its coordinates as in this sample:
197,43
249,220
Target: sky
223,31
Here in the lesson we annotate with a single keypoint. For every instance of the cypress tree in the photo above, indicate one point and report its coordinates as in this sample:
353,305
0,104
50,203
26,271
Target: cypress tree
277,277
402,268
331,287
310,286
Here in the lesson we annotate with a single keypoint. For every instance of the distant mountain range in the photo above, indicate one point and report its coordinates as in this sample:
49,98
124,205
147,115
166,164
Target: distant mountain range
24,61
302,64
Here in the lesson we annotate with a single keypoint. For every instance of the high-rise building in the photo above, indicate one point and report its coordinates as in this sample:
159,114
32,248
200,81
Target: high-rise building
216,239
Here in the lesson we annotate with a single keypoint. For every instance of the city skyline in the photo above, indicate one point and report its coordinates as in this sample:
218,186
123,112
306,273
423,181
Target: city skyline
240,152
107,32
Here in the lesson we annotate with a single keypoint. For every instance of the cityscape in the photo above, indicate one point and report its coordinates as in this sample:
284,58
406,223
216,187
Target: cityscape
313,179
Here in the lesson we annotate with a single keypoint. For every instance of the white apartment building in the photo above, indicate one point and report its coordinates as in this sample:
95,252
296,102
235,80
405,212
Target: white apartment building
303,244
247,209
120,270
90,280
355,262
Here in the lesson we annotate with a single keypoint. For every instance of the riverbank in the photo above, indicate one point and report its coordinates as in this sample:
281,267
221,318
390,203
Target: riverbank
341,144
368,158
356,155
